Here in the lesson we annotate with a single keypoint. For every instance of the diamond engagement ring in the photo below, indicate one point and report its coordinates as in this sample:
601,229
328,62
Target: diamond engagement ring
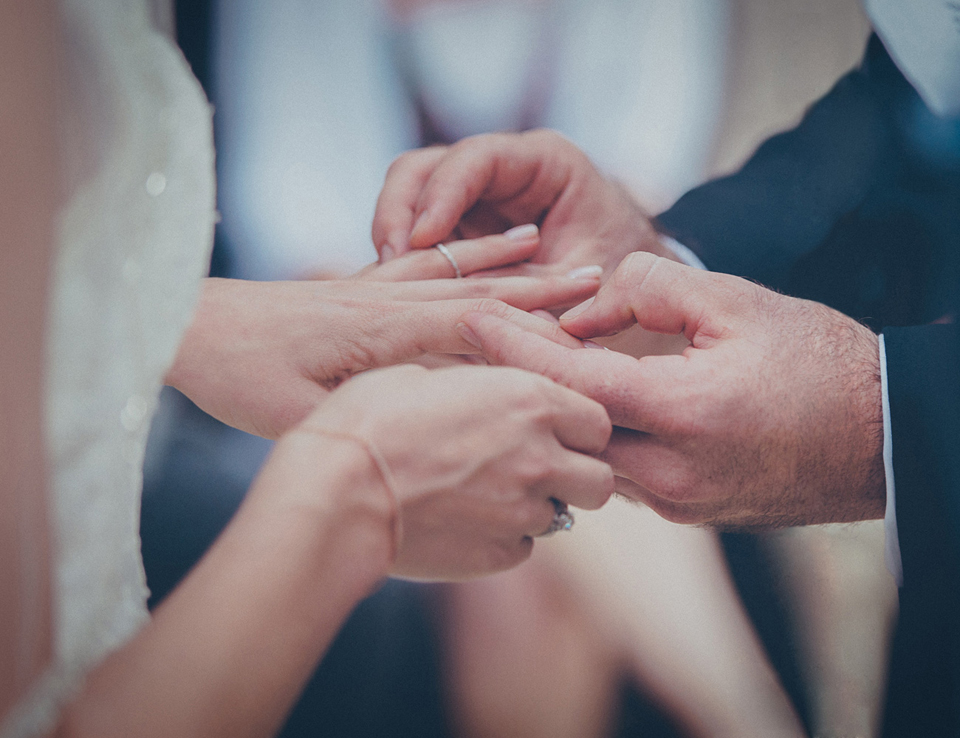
453,262
562,518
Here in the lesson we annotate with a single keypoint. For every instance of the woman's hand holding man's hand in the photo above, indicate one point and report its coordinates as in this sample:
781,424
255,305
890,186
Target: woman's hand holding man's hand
475,455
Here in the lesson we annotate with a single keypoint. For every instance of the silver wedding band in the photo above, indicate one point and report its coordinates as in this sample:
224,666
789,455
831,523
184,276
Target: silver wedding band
562,518
453,262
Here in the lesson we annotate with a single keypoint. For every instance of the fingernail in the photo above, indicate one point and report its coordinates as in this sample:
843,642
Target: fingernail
468,335
575,311
594,345
522,233
387,253
587,272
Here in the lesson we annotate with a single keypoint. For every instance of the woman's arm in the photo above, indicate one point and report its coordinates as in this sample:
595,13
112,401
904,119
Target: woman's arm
442,474
28,201
228,652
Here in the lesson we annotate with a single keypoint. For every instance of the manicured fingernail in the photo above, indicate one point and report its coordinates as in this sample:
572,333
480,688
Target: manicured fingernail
522,233
575,311
594,345
387,253
467,334
587,272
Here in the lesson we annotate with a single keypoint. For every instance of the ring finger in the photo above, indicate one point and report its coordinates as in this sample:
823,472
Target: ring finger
470,255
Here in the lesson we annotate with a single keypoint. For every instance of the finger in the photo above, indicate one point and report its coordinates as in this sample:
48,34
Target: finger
645,459
665,297
470,255
406,331
546,315
396,206
502,168
530,269
525,293
629,388
660,468
490,252
578,423
579,480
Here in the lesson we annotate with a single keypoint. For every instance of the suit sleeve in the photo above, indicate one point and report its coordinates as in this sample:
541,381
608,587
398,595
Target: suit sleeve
789,198
923,368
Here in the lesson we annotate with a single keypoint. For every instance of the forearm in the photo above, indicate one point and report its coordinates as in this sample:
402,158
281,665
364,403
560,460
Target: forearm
229,651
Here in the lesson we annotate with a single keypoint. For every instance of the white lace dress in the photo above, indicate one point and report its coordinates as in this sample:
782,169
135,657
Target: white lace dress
134,243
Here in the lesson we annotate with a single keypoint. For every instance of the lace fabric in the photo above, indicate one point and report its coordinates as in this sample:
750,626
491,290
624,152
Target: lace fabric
134,242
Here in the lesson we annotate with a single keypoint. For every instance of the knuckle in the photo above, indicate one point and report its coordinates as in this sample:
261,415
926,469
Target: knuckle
401,163
538,467
632,268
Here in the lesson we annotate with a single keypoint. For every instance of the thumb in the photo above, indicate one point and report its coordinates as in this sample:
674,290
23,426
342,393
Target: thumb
661,296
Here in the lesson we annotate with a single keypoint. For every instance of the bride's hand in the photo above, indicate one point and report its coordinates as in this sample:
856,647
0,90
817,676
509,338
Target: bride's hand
495,255
261,355
475,454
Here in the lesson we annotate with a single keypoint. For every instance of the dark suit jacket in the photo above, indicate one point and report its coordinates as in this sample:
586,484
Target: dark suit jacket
859,207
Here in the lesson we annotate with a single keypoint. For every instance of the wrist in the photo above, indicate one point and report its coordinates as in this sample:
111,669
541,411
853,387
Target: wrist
329,493
185,364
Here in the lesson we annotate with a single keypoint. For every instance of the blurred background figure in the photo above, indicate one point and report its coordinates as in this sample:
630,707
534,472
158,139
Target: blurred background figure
613,630
317,98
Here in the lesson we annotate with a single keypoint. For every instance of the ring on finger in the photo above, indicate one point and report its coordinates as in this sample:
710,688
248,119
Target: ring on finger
453,262
562,518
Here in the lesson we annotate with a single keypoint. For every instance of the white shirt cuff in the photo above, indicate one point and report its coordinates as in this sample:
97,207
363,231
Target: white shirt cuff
891,551
682,252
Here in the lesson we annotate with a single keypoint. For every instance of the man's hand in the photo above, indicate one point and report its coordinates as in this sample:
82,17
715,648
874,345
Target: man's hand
475,455
771,417
487,184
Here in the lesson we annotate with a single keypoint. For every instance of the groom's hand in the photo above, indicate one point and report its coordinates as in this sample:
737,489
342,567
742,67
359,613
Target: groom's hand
771,417
487,184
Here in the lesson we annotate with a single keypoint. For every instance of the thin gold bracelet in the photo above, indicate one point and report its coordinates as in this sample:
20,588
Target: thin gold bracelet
385,474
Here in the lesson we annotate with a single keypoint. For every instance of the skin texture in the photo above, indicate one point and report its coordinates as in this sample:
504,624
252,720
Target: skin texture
260,355
771,417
